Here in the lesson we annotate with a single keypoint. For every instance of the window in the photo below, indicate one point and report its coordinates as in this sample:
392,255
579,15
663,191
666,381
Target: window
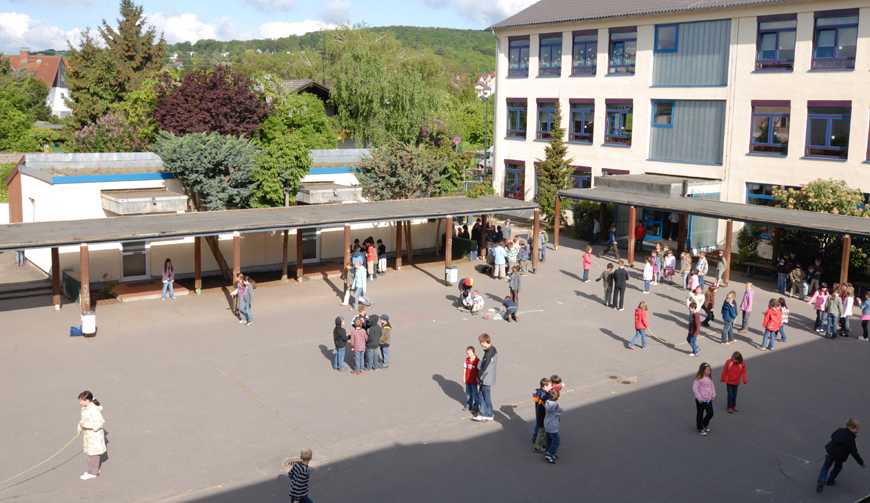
828,131
545,119
776,38
663,114
619,124
518,55
581,178
585,53
582,122
550,60
33,73
515,181
667,36
623,49
835,41
770,126
516,126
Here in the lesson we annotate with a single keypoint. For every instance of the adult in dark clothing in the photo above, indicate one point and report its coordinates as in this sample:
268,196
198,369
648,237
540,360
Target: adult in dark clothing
339,335
374,343
498,238
842,445
781,274
475,232
815,277
486,377
620,279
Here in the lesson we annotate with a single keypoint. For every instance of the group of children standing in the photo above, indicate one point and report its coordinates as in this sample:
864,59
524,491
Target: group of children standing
834,310
548,417
244,297
369,336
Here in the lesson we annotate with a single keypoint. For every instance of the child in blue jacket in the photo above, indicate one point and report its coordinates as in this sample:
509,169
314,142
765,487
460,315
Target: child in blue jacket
729,314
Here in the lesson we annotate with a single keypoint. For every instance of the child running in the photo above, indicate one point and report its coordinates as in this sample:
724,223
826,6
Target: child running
731,374
705,393
640,326
551,426
541,396
837,452
469,377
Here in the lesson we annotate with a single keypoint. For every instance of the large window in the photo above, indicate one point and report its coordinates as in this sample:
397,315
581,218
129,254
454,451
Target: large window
582,121
581,178
516,125
550,59
667,37
518,56
623,49
585,52
619,124
515,181
835,41
546,110
776,39
770,125
828,131
663,114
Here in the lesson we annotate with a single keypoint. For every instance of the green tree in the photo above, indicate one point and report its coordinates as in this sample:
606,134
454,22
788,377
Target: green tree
13,124
216,170
400,171
35,139
293,111
26,94
554,171
90,79
138,108
283,164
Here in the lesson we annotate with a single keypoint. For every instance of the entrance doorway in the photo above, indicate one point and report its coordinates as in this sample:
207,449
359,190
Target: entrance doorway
310,245
134,261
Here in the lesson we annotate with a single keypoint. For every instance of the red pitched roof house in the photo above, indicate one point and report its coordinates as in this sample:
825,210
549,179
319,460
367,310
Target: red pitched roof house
49,69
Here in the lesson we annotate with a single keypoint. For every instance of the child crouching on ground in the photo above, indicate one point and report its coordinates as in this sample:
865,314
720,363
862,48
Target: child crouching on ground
509,310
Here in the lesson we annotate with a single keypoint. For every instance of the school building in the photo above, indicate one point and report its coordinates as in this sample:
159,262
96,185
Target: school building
713,87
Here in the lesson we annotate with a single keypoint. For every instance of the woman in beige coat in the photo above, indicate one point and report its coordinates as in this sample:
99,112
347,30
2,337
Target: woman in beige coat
94,439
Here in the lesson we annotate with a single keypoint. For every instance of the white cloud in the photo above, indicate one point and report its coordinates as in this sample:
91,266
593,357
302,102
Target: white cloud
335,12
279,29
19,30
189,28
272,5
483,13
54,2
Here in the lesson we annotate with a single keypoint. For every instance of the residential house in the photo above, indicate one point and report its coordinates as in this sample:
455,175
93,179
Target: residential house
49,69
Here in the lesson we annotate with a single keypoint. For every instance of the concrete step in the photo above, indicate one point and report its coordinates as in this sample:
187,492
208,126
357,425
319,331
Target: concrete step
151,296
33,292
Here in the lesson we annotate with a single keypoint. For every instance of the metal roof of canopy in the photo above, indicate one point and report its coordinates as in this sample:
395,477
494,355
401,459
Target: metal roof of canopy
748,213
208,223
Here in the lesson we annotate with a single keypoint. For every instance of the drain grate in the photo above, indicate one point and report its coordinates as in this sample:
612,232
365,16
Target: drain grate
612,377
625,382
289,462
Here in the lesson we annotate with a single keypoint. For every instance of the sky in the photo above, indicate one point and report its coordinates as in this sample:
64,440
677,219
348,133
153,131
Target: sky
48,24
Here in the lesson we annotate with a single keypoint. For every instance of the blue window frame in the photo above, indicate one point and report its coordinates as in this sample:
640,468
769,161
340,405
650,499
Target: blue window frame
518,58
770,126
582,122
619,124
580,179
514,181
545,120
585,55
516,125
667,37
663,114
550,55
835,42
623,50
775,49
828,132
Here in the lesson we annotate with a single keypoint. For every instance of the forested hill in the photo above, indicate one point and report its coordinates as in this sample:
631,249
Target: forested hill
474,50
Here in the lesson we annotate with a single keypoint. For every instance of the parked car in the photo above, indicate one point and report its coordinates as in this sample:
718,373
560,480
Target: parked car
485,163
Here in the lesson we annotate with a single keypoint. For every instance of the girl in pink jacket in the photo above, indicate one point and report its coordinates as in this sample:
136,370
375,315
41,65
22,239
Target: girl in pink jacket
746,307
587,263
819,301
705,393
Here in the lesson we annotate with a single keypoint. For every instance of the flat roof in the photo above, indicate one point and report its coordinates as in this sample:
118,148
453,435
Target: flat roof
209,223
748,213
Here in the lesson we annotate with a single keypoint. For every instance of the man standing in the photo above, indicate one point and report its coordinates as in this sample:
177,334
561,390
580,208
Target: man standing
674,219
543,239
486,377
781,274
611,244
506,230
620,278
596,231
639,234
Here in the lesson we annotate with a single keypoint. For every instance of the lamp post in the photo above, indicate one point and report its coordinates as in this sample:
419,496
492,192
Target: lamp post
485,98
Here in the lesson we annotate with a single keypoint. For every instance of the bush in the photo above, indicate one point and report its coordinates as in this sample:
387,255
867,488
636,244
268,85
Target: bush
748,240
482,189
110,133
5,170
584,212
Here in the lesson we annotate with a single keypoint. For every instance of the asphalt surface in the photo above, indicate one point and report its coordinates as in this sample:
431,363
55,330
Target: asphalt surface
199,408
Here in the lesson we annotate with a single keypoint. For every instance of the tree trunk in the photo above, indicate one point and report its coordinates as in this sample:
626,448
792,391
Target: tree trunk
212,241
438,238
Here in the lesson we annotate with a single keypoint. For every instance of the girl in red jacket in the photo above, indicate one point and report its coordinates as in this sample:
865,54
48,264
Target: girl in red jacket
731,374
587,263
640,326
772,322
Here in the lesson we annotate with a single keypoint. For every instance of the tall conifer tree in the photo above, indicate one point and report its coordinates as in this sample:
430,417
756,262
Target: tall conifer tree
554,170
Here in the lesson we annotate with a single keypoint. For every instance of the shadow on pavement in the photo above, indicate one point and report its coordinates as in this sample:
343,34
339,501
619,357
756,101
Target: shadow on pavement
452,389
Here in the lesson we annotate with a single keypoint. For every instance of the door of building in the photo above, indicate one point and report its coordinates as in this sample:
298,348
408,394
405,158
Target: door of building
310,245
134,261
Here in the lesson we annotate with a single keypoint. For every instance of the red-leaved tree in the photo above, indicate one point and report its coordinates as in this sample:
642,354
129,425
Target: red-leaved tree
215,100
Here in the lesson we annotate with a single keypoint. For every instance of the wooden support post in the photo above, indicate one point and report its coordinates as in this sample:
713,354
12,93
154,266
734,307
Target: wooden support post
299,254
197,264
347,250
85,277
536,230
844,264
481,247
557,223
409,242
448,242
729,230
55,278
632,218
399,227
681,234
602,214
775,245
285,255
237,254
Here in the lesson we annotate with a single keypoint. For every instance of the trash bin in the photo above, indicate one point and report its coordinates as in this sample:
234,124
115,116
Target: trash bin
89,323
451,275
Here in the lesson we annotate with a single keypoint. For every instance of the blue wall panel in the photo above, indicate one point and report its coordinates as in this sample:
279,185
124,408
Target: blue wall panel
701,58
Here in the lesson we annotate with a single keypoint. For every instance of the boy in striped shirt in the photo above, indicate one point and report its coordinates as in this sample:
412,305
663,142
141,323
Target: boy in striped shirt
299,478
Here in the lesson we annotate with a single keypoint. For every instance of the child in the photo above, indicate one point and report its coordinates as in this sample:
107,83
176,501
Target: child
837,452
247,299
523,258
848,302
648,274
694,282
509,310
541,396
702,268
362,316
382,258
705,393
513,253
709,305
557,383
551,426
339,335
670,264
371,259
865,316
772,322
607,276
386,331
469,377
731,374
238,292
834,309
373,344
358,339
657,264
797,279
348,283
729,314
784,310
299,476
685,268
640,326
720,268
694,328
514,282
587,263
476,303
819,300
359,286
746,307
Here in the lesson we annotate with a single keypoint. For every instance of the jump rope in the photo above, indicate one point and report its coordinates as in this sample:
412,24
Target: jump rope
42,463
